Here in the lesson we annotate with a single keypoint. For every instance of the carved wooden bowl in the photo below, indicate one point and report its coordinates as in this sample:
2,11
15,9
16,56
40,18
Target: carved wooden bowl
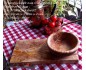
63,43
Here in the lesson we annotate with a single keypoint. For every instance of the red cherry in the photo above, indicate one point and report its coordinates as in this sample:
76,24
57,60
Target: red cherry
53,18
58,23
60,19
45,21
52,24
47,30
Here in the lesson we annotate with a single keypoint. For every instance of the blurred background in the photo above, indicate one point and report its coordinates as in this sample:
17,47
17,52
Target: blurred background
15,10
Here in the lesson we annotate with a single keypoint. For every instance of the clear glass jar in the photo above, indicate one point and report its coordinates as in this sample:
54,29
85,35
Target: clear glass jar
37,14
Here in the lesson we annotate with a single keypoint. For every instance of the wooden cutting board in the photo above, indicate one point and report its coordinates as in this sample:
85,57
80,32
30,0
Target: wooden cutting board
36,51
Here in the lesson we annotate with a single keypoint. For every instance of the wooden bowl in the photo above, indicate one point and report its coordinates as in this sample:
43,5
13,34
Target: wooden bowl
63,43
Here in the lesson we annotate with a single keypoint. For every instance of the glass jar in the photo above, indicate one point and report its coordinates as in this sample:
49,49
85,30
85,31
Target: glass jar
37,15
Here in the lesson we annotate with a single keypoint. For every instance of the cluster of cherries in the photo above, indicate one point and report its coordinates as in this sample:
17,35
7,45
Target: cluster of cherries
52,24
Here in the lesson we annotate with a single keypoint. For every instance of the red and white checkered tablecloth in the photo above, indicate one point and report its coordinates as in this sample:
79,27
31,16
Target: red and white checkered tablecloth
21,31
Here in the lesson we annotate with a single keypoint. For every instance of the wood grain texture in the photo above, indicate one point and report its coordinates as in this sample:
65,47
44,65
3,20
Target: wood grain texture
36,51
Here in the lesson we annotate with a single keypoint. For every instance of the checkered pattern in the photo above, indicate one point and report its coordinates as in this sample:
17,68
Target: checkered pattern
21,31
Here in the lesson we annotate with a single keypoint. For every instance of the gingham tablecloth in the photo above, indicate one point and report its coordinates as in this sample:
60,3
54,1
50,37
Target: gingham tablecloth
21,31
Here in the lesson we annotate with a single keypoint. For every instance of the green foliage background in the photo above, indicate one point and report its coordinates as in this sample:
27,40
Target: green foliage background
60,5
